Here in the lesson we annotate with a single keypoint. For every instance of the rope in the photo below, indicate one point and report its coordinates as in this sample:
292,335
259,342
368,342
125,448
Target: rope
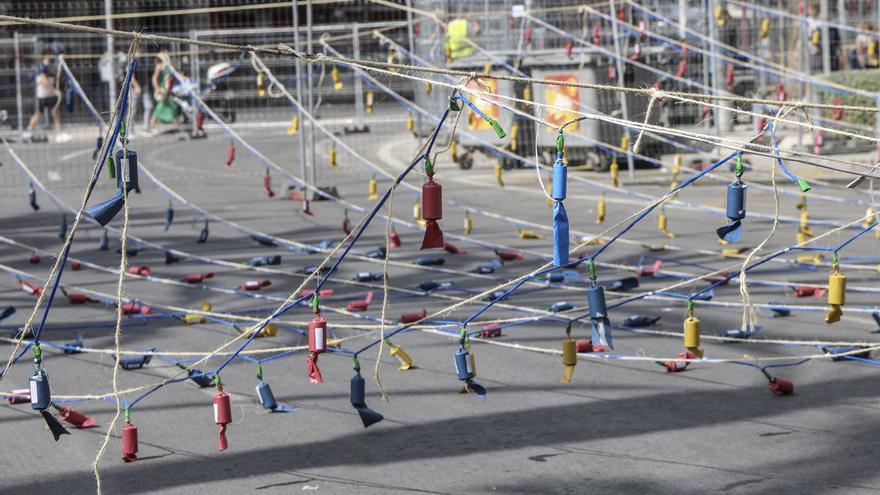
125,118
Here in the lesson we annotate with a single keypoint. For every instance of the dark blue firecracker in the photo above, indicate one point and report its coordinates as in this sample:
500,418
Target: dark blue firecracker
126,181
358,401
736,211
203,235
32,198
169,217
105,241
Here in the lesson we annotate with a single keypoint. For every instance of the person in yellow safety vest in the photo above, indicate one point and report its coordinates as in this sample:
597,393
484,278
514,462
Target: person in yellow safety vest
867,47
457,31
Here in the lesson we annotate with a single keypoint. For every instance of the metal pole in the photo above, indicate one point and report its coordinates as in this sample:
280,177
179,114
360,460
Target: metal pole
805,68
359,123
312,168
826,38
194,76
623,106
108,23
299,92
682,18
18,102
722,115
412,50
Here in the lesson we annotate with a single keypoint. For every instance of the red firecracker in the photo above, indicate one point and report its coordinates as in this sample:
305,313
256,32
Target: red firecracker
255,284
728,77
569,48
781,386
76,418
346,224
135,308
230,154
649,271
267,185
129,442
142,270
394,239
432,210
75,265
30,288
413,317
195,278
597,34
222,416
452,248
508,255
34,259
77,298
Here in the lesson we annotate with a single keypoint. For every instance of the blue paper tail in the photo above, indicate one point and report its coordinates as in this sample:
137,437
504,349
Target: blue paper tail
54,425
560,235
105,211
283,408
602,332
368,416
476,388
731,232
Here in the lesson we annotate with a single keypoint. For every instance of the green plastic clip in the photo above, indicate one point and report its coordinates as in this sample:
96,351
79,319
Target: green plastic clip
498,130
803,185
560,143
111,167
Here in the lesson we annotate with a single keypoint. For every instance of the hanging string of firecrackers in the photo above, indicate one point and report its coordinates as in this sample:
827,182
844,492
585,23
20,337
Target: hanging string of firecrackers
836,291
466,367
317,342
560,217
692,331
736,206
569,355
358,394
599,322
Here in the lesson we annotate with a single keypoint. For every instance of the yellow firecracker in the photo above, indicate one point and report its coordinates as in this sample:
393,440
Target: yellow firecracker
373,195
569,358
193,319
692,332
453,152
662,226
870,217
499,171
417,210
403,359
468,223
765,28
331,156
428,87
410,122
614,171
527,93
676,164
206,305
514,132
369,100
337,81
261,85
836,293
600,211
294,126
529,234
487,69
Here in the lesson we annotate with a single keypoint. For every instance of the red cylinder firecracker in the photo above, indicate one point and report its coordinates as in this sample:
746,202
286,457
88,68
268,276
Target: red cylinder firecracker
34,259
267,185
222,416
75,265
596,34
612,73
76,418
346,224
818,141
200,121
569,48
129,442
394,239
584,346
318,334
728,77
781,386
142,270
682,67
30,288
76,298
230,154
451,248
407,318
837,113
781,93
432,210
